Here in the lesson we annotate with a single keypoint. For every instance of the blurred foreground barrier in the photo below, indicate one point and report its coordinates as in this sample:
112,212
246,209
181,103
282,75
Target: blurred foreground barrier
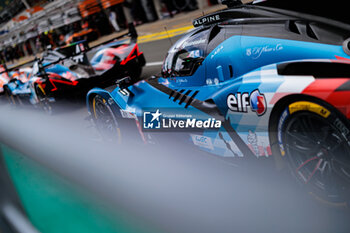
65,181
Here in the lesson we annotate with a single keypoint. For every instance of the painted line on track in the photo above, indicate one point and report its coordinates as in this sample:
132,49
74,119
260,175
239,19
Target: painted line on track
164,34
156,63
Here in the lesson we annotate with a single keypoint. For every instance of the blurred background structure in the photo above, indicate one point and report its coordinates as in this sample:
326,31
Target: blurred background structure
27,27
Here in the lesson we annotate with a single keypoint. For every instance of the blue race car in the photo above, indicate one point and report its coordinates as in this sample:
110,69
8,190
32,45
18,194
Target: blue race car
249,81
17,82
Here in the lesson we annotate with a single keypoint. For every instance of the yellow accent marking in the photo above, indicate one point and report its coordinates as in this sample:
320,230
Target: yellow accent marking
95,114
283,153
309,106
94,107
176,30
42,89
342,205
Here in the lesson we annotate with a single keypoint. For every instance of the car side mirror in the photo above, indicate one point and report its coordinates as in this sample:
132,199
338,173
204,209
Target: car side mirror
123,84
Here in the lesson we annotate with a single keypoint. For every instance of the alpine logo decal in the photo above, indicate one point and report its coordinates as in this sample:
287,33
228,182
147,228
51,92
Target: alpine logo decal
207,19
240,102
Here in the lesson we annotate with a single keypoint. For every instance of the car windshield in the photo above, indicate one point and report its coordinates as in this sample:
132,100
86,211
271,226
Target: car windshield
184,56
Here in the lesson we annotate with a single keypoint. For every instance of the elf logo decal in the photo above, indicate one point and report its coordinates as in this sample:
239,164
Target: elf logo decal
239,102
258,102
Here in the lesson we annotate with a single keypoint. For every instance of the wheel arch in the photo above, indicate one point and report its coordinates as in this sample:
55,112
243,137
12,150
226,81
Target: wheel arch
282,162
98,92
277,110
281,103
128,126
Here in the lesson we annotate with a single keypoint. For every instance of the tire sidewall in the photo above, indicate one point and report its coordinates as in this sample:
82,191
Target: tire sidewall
106,137
327,112
43,100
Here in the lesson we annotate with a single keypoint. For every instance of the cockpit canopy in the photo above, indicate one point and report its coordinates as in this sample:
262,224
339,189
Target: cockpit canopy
186,55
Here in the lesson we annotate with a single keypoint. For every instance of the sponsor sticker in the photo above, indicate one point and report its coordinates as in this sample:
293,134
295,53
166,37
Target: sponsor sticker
127,114
194,43
309,106
257,52
202,141
342,128
218,50
258,144
280,126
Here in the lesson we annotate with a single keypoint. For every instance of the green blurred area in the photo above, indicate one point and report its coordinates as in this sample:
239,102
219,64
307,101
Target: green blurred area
54,206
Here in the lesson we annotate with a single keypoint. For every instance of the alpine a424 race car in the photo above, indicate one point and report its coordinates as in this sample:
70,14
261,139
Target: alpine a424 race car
70,71
250,81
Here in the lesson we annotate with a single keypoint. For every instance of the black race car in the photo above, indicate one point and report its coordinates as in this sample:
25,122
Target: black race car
70,71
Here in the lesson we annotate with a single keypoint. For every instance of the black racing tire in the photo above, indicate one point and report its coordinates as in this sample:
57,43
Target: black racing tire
313,138
104,120
19,100
44,103
10,98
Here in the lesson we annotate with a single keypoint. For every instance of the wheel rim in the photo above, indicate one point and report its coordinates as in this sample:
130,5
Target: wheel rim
319,155
105,121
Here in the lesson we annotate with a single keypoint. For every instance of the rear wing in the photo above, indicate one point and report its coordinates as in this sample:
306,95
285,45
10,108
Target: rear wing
73,48
75,51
